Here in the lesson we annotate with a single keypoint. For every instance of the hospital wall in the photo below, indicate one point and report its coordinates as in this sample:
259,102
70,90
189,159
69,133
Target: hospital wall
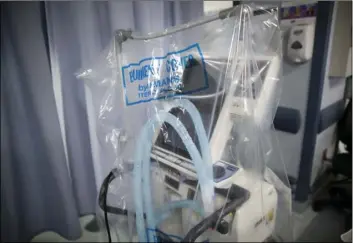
334,86
294,94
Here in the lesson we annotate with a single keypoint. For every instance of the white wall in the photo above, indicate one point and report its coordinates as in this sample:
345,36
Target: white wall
295,83
343,38
294,94
214,6
349,63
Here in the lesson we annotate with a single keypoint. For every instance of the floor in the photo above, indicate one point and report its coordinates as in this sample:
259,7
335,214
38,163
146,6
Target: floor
86,236
326,226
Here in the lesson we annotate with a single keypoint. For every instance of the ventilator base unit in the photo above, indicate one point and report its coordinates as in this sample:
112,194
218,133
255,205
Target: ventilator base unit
254,217
253,201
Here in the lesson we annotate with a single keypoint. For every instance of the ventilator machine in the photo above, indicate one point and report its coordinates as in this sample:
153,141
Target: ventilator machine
194,168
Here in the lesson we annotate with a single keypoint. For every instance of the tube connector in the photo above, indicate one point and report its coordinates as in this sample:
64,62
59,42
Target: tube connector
123,35
229,12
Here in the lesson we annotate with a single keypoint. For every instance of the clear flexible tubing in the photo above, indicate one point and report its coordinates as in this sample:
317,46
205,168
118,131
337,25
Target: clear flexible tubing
206,167
201,97
200,131
165,211
151,221
143,151
206,182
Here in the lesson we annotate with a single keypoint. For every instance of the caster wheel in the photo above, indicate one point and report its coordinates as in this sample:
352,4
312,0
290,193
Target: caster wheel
333,192
348,222
317,206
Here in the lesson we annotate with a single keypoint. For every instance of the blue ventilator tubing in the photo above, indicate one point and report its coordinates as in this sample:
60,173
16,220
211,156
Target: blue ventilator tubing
200,131
142,167
205,166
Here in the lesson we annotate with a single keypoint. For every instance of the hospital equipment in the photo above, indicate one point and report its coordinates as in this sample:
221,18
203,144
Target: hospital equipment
196,167
301,43
225,175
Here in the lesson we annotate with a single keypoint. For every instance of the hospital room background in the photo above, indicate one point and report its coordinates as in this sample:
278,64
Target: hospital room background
51,171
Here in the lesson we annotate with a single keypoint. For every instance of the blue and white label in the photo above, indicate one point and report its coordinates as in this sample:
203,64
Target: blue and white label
156,78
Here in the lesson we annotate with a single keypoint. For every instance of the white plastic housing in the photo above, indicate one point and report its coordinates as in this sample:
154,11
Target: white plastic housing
300,43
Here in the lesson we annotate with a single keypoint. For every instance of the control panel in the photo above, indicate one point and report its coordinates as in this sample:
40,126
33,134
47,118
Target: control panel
180,167
223,171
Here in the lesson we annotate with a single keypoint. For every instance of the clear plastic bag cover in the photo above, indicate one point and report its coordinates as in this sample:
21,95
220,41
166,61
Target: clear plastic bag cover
205,92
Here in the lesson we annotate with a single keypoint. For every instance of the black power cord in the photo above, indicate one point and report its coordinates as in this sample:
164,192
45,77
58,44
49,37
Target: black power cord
103,198
106,217
235,3
118,211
